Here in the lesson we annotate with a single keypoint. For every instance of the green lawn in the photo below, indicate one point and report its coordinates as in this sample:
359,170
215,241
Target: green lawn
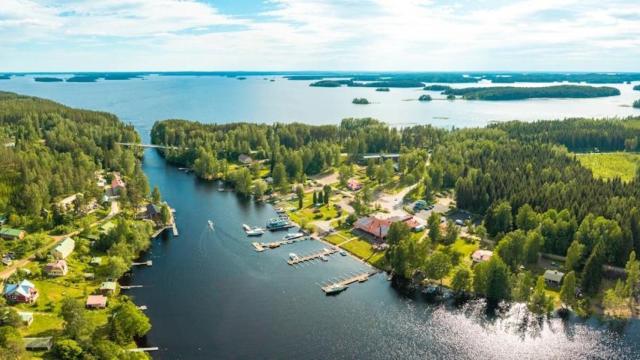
611,165
363,250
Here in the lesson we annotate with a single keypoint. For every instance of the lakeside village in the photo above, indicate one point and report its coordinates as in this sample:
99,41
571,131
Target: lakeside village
43,273
325,208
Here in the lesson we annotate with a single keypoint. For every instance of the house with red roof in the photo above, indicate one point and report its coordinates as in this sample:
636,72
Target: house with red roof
96,302
354,185
57,268
117,184
378,228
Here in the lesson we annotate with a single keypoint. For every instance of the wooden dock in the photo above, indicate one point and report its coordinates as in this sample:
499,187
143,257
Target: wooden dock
350,279
262,246
174,228
147,263
311,257
146,349
127,287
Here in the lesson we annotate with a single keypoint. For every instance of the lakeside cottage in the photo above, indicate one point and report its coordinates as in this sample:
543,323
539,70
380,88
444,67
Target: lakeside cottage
24,292
96,302
245,159
67,203
12,234
153,212
354,185
553,278
108,287
479,256
38,343
25,317
64,249
57,268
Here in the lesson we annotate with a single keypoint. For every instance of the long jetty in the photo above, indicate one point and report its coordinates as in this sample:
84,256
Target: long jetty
360,277
262,246
311,257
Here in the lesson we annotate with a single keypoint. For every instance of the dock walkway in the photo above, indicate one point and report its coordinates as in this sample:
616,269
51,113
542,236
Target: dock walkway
311,257
262,246
361,277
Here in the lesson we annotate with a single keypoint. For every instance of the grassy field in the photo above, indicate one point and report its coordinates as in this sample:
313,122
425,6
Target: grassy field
611,165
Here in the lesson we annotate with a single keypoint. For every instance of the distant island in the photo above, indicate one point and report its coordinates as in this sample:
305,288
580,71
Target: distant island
424,98
5,77
636,104
519,93
82,79
48,79
360,101
382,89
436,87
388,83
330,83
637,87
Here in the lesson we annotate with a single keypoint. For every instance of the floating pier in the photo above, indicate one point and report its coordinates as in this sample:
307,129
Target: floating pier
147,263
146,349
348,280
311,257
262,246
127,287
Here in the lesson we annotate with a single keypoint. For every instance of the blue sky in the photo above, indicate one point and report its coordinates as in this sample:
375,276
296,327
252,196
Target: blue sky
403,35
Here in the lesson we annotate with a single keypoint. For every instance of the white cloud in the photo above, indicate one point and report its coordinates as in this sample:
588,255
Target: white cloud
322,34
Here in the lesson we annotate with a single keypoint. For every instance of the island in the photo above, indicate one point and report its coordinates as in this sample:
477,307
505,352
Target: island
493,213
436,87
5,77
330,83
401,83
424,98
75,212
636,104
360,101
383,89
83,78
47,79
637,87
520,93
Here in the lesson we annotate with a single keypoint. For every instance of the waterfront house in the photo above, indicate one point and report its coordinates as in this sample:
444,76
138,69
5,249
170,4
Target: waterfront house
117,184
553,278
378,228
153,212
96,302
108,287
245,159
57,268
64,249
354,185
479,256
38,343
25,317
12,234
24,292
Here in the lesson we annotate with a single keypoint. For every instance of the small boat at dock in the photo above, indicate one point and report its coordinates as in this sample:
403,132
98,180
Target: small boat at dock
324,258
335,289
210,224
293,256
343,253
255,232
246,227
293,236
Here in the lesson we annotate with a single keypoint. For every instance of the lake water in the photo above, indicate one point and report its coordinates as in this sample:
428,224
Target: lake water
210,296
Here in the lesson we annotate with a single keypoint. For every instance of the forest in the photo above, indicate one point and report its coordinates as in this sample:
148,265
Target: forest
56,151
518,93
49,151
